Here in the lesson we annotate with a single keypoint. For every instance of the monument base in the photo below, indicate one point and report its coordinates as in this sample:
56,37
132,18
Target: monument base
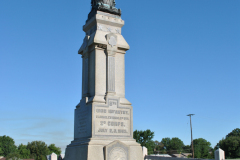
104,149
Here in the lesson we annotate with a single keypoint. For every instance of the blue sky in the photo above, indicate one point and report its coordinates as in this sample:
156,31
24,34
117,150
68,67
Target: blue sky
184,58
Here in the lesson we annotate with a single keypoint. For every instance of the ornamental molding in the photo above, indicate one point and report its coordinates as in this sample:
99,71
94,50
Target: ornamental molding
110,29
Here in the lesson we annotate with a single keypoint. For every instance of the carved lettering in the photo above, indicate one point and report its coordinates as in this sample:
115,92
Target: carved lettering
112,121
118,112
101,111
102,130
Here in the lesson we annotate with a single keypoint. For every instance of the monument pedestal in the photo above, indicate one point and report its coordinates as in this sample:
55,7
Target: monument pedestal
104,149
103,118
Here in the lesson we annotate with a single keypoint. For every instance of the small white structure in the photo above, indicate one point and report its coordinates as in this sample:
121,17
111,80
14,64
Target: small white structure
145,151
219,154
52,156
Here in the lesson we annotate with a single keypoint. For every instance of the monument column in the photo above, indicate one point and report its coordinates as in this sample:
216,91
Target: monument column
103,123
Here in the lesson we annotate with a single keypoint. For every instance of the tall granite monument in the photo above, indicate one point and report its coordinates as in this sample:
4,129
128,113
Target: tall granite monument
103,127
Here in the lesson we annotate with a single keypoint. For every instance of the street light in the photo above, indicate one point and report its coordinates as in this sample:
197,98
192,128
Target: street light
190,115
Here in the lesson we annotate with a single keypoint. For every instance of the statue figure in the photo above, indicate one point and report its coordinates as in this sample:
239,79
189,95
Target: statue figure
105,6
109,3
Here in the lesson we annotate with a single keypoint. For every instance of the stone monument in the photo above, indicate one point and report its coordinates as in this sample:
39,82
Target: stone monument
103,125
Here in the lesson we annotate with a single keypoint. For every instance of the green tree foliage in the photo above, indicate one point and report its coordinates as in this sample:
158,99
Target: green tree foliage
202,148
235,132
53,149
158,147
231,144
23,151
13,156
145,139
38,150
1,151
166,143
174,145
7,145
187,149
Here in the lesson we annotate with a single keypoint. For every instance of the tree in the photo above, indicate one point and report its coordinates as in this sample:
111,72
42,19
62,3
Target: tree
201,148
174,145
1,151
235,132
145,139
231,144
23,151
38,150
158,147
187,149
7,145
13,156
166,143
53,149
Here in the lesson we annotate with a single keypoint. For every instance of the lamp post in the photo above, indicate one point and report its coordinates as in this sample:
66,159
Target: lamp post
190,115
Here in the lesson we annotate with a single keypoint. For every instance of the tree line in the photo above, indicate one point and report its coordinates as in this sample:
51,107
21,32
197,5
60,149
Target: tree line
37,150
202,148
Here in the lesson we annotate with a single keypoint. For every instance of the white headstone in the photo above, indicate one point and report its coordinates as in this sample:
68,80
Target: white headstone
52,156
219,154
145,151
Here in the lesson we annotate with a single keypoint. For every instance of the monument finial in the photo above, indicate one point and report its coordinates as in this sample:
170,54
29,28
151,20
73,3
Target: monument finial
105,6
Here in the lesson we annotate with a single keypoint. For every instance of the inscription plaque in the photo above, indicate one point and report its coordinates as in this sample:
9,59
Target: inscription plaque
112,120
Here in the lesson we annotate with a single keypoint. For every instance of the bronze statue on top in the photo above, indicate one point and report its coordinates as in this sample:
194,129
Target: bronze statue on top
105,6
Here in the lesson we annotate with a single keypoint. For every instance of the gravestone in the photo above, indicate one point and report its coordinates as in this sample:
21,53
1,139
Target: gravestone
52,156
103,123
145,151
219,154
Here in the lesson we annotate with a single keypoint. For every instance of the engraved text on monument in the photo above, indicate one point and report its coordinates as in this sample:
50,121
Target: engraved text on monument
112,120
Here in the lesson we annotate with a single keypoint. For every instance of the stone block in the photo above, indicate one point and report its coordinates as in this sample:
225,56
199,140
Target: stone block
219,154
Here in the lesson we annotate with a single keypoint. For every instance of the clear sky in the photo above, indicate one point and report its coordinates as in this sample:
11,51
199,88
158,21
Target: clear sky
184,58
